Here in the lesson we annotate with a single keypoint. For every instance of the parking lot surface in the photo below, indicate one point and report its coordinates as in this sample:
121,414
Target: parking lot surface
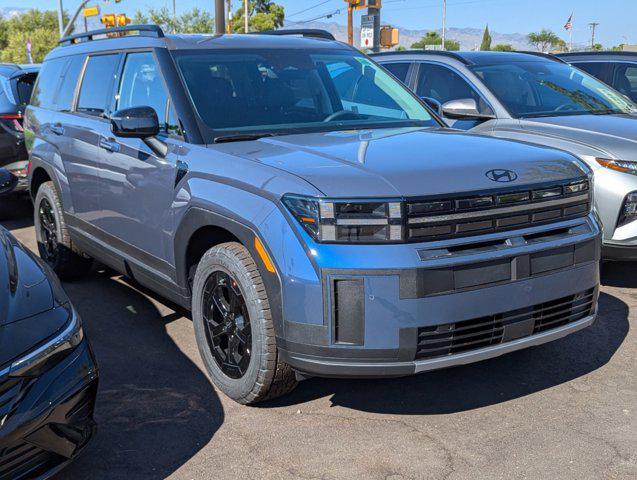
562,410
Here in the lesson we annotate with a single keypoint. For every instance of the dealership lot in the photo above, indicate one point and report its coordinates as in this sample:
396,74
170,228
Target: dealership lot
561,410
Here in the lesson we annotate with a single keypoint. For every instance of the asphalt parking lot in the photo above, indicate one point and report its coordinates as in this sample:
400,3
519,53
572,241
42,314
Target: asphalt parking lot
562,410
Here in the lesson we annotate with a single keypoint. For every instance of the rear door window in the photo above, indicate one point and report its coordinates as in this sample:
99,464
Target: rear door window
398,70
70,75
625,79
97,83
596,69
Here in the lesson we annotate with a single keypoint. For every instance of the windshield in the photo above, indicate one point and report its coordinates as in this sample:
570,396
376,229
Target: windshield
535,89
293,91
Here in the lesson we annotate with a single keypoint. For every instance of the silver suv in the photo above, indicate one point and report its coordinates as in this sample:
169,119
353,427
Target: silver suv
539,99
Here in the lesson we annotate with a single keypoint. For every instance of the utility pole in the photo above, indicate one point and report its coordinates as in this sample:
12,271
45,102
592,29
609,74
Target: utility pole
174,17
220,17
593,26
375,12
444,23
229,12
61,17
246,16
350,24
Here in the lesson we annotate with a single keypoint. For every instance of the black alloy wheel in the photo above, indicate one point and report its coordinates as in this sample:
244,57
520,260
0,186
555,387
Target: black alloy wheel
48,229
228,330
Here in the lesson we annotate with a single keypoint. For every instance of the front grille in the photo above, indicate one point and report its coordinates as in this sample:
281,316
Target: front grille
449,339
24,461
10,390
465,215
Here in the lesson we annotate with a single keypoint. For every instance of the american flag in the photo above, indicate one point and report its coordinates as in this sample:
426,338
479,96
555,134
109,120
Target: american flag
569,23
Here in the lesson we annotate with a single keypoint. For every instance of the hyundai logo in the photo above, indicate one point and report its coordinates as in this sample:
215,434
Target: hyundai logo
501,175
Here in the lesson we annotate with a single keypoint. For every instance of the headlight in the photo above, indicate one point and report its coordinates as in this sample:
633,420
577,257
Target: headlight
33,362
348,221
629,210
625,166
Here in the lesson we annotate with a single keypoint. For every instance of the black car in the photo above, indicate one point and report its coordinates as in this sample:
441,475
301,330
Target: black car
617,69
48,375
16,84
8,182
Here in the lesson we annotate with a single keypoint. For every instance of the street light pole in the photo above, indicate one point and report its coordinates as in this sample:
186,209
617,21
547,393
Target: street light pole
61,17
444,23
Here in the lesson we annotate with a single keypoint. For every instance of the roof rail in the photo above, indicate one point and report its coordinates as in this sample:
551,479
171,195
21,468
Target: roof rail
304,32
548,56
626,53
442,53
143,30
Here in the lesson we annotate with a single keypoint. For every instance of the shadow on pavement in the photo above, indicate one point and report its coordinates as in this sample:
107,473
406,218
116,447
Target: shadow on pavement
155,408
16,211
481,384
619,274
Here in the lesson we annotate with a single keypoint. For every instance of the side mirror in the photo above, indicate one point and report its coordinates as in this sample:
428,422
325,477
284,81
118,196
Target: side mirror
462,109
434,104
135,122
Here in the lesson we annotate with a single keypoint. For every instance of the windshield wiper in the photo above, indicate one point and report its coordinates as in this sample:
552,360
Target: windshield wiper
242,137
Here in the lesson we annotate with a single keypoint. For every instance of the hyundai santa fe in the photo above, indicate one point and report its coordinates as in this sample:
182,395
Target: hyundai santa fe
541,99
312,213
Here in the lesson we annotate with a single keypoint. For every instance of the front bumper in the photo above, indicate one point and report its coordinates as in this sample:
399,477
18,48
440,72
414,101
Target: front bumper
503,293
48,419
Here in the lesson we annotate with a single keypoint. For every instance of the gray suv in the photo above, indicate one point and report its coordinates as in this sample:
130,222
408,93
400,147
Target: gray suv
307,208
541,99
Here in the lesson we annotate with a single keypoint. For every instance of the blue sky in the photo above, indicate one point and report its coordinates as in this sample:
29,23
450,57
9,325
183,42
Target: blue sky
616,17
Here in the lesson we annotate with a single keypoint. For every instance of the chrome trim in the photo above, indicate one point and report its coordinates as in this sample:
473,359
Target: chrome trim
527,207
362,221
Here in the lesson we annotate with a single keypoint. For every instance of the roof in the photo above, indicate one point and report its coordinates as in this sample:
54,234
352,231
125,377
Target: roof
477,58
143,36
10,69
597,54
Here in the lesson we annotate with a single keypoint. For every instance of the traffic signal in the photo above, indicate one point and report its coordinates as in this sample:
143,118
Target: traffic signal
122,20
108,20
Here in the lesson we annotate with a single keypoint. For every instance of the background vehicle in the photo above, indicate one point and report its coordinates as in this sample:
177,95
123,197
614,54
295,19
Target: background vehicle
16,85
8,182
539,99
312,213
617,69
48,377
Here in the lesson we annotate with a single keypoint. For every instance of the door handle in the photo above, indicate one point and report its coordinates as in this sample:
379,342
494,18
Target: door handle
109,145
57,129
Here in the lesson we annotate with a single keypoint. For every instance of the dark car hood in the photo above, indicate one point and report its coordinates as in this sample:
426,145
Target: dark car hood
25,290
404,162
616,134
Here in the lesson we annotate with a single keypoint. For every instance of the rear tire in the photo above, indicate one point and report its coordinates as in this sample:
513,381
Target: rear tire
54,242
227,275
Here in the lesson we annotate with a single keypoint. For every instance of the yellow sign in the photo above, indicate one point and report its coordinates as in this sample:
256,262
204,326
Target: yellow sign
92,11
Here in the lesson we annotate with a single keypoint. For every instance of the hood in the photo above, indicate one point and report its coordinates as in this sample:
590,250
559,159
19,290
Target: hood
615,135
25,290
405,162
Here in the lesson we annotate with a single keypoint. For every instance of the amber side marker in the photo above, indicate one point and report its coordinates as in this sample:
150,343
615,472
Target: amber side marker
269,266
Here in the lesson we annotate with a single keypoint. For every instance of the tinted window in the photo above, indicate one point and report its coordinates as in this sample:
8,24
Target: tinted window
596,69
46,85
96,84
443,84
24,87
275,90
142,85
531,89
64,98
625,79
398,70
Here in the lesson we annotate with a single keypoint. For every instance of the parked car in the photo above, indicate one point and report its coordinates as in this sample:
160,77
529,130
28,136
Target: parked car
16,85
538,98
312,213
8,182
617,69
48,377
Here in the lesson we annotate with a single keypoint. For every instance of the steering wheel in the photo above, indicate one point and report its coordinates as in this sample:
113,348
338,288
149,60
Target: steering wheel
335,115
566,107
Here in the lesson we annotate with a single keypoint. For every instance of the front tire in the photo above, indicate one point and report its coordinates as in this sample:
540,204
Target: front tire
234,328
54,242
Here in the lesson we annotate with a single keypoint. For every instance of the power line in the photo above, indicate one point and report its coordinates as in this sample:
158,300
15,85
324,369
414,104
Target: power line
325,15
308,9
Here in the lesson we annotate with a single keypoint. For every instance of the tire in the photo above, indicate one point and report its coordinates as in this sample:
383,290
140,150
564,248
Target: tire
59,253
223,268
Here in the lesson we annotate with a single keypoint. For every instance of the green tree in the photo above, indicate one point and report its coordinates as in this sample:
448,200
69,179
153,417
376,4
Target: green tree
486,39
598,47
544,40
193,21
39,26
432,38
503,47
264,15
